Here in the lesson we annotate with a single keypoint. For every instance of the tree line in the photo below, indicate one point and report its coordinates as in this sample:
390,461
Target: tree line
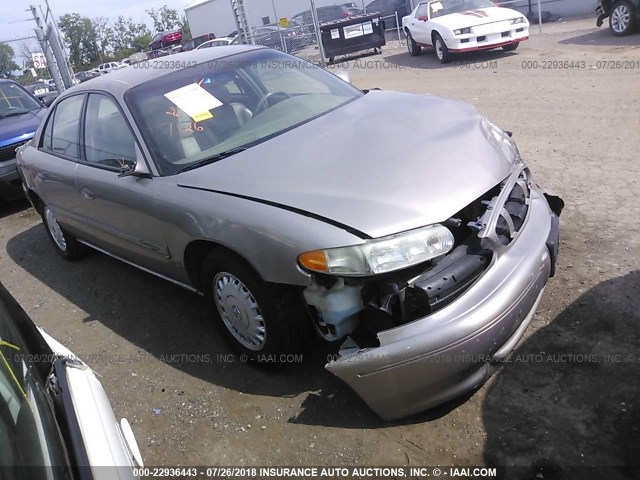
92,41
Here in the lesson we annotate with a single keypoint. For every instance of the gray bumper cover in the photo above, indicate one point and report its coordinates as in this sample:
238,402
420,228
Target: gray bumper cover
439,357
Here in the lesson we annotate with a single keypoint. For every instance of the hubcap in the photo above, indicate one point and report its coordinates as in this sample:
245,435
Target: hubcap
620,18
239,311
410,43
55,230
439,49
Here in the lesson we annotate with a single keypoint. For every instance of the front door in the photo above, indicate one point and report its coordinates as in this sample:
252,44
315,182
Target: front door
119,212
419,29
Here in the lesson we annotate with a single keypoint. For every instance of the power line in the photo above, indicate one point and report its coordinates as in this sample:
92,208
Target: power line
18,39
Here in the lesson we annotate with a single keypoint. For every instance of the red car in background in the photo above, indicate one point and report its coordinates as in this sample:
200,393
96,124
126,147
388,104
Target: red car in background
166,39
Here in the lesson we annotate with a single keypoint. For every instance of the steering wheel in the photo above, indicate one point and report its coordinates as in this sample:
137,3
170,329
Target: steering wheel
262,104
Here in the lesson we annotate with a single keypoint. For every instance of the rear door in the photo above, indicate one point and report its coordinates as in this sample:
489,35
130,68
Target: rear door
119,213
56,158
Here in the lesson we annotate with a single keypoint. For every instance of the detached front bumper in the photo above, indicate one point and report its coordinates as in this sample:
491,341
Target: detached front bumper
438,357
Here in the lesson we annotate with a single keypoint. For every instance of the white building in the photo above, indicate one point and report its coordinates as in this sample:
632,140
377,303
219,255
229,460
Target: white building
215,16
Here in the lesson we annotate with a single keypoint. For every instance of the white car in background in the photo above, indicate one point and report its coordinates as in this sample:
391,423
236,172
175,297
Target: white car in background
456,26
55,417
110,67
218,42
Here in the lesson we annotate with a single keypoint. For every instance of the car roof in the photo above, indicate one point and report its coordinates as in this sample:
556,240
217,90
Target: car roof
119,81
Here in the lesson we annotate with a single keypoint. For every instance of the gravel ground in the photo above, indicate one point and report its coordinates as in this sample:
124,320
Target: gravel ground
570,395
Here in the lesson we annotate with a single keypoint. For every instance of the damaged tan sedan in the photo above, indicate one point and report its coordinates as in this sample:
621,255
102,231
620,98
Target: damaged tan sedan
407,227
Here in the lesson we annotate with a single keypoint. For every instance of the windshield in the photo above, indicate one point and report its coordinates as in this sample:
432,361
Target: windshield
234,102
14,100
29,434
446,7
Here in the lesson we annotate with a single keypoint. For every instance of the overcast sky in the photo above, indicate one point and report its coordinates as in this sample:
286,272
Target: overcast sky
14,13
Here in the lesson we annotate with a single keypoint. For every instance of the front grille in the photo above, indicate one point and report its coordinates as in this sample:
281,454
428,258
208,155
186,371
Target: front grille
481,230
515,210
491,221
8,152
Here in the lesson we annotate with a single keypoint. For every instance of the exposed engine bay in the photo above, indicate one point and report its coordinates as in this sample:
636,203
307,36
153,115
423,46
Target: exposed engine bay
362,307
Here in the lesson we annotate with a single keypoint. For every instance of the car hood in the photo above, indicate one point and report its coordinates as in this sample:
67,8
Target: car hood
21,127
473,18
385,163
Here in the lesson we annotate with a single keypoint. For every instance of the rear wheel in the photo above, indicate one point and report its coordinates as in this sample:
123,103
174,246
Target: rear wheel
511,47
412,46
65,244
442,52
260,320
621,19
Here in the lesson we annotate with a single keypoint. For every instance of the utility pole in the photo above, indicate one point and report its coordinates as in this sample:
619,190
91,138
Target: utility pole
316,27
51,61
58,53
60,38
242,22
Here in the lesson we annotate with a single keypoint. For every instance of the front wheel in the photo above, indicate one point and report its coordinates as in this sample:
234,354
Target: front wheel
412,46
511,47
442,52
621,19
65,244
260,320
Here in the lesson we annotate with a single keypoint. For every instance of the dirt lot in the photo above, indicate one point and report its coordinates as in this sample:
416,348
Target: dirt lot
578,129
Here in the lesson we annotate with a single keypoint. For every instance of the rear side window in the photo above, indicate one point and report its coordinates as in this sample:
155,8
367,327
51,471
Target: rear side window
63,129
46,137
107,138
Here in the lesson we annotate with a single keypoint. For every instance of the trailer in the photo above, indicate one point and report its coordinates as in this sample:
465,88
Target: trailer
210,16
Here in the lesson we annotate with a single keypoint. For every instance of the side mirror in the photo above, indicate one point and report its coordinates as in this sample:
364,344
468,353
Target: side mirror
343,75
139,170
423,18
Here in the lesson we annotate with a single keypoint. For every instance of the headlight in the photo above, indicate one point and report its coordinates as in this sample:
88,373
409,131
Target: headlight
382,255
501,141
515,21
462,31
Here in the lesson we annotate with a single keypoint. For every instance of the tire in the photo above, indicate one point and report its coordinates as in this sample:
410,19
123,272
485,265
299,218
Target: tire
260,320
511,47
65,244
442,52
412,46
621,18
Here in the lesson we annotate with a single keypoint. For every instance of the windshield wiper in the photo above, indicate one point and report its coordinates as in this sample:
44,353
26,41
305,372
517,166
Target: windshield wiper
13,114
213,159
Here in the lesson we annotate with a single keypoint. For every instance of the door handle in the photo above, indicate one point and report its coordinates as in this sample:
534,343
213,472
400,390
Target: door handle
88,194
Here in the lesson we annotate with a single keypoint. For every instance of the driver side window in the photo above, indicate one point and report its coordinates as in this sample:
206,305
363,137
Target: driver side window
107,138
422,11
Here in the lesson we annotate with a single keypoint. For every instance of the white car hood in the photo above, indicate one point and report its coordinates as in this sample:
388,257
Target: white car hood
107,442
472,18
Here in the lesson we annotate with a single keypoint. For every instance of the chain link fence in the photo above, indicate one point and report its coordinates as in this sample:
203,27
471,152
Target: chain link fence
285,25
293,26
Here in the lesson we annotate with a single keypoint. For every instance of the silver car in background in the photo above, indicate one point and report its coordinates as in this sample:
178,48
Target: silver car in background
408,225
